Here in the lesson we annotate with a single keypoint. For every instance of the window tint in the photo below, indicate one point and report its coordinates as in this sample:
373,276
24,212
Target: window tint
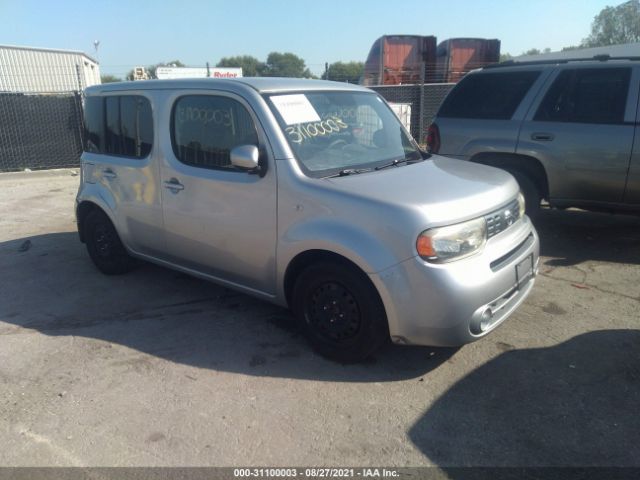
118,125
113,138
597,95
491,96
136,126
93,124
205,128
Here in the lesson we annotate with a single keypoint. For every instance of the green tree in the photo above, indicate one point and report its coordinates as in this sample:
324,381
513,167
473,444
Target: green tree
344,72
285,65
505,57
251,66
615,25
109,79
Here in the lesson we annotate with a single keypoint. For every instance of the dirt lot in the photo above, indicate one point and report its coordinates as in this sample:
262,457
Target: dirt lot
156,368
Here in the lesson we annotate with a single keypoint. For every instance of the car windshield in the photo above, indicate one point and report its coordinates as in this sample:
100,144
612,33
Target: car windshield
332,132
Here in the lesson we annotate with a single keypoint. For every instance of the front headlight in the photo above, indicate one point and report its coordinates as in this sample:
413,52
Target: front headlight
444,244
521,205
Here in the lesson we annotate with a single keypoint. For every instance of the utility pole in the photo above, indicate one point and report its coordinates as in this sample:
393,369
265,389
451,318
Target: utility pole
208,70
326,70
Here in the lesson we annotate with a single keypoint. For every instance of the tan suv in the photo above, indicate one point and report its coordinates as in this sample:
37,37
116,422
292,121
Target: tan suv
567,131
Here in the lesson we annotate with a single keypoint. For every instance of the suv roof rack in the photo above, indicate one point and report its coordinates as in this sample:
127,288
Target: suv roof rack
600,58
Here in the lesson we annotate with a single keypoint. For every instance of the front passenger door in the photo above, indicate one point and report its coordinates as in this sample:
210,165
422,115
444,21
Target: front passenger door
219,220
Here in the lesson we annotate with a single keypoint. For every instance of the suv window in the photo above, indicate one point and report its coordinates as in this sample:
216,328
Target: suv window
490,96
118,125
594,95
204,129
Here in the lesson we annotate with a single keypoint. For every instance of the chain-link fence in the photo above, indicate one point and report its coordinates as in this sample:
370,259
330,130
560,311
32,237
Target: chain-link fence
416,105
40,131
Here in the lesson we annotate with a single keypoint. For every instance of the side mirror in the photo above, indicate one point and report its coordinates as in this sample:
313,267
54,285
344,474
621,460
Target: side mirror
246,157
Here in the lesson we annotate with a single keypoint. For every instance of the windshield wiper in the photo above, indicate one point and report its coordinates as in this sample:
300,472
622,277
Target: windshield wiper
348,171
398,161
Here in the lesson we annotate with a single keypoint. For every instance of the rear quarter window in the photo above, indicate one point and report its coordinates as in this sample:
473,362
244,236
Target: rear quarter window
489,96
118,125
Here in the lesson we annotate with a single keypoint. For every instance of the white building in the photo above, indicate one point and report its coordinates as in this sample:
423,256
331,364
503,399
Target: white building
45,70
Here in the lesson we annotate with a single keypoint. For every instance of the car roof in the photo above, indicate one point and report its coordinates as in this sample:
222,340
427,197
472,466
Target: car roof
598,61
259,84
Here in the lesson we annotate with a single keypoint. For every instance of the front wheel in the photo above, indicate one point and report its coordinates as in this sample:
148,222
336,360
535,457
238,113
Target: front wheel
340,311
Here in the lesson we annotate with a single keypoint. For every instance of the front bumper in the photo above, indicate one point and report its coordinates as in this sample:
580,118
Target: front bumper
459,302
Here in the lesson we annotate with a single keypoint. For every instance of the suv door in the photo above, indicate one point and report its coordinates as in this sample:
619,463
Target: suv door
582,131
218,220
632,190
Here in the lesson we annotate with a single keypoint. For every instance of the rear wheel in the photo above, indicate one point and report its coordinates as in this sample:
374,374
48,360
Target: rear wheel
104,245
340,311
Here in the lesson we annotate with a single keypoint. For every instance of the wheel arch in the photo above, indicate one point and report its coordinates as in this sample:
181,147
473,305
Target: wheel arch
83,210
310,257
529,166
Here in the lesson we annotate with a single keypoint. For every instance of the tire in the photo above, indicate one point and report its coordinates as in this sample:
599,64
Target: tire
340,311
531,193
104,245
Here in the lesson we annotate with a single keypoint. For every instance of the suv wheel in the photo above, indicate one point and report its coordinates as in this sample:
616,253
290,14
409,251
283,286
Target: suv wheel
340,311
104,245
532,195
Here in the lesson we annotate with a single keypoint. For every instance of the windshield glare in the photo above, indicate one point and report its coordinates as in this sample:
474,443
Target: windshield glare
333,131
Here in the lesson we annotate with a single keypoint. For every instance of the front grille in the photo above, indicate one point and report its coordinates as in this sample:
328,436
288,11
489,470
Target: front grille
502,219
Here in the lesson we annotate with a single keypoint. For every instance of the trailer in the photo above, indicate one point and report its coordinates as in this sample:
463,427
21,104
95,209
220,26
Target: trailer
458,56
399,60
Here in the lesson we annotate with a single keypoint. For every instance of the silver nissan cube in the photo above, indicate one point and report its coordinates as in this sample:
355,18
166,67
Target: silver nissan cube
308,194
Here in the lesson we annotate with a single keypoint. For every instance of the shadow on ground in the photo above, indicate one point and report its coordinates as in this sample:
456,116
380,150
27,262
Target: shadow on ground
571,237
50,285
574,404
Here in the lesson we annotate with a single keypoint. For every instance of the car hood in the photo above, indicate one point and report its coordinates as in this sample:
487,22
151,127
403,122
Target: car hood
444,190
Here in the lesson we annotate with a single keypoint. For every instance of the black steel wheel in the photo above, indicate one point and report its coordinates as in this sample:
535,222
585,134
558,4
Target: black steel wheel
104,245
341,312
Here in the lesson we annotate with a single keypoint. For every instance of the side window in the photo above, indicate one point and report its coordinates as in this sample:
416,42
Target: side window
204,129
555,105
489,96
113,138
136,126
596,95
93,124
119,125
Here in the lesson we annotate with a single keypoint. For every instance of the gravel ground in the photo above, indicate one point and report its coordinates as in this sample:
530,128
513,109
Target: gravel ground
155,368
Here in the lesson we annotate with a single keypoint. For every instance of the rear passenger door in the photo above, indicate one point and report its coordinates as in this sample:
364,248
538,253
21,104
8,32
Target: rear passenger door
582,130
219,220
120,159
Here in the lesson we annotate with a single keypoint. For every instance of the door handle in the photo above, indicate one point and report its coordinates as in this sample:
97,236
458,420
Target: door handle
108,173
543,137
174,185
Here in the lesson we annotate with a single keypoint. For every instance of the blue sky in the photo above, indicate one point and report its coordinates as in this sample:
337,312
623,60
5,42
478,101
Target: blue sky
145,32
